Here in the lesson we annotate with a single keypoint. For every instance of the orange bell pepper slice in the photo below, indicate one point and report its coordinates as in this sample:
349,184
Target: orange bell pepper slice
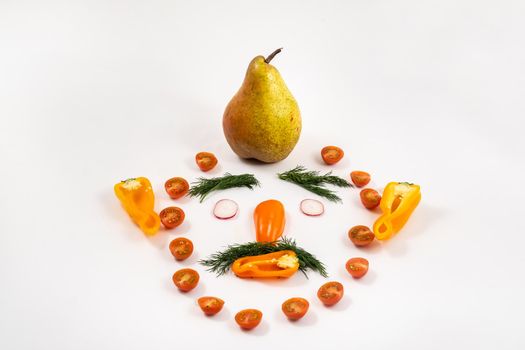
137,198
399,200
281,264
269,219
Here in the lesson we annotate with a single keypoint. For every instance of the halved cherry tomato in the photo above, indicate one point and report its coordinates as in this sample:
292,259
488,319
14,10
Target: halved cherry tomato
249,318
370,198
206,160
186,279
176,187
360,178
181,248
361,235
332,154
295,308
330,293
357,267
172,217
210,305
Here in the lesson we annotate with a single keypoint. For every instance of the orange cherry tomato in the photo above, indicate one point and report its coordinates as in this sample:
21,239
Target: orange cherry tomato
330,293
370,198
361,235
181,248
249,318
176,187
210,305
172,217
357,267
295,308
186,279
360,178
332,154
206,160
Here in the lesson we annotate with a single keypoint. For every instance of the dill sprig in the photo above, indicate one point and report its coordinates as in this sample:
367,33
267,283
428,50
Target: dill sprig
314,182
203,187
221,262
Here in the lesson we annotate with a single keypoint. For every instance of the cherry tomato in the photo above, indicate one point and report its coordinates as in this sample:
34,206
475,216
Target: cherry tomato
357,267
332,154
210,305
249,318
370,198
176,187
361,235
186,279
181,248
172,217
295,308
206,161
360,178
330,293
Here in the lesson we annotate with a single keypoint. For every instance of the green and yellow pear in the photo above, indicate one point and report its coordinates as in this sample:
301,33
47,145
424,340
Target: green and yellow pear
262,121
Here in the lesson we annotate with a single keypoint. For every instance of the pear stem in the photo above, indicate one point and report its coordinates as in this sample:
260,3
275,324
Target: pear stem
272,55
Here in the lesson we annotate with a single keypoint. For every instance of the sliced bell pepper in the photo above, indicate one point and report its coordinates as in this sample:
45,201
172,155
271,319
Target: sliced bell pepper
269,219
397,204
283,263
137,198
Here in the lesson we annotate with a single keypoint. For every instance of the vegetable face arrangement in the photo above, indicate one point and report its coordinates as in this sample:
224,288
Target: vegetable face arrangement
263,121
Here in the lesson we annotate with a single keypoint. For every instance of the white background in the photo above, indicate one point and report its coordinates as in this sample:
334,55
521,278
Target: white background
92,92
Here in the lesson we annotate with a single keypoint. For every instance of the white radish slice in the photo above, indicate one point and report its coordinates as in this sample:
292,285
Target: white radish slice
225,209
312,207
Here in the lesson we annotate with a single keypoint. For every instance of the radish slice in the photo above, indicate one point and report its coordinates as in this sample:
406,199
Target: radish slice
225,209
312,207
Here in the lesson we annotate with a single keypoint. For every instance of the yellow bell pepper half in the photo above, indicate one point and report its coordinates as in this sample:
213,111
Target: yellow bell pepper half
137,198
397,204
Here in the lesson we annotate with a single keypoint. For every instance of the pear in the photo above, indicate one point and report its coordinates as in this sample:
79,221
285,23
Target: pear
262,121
